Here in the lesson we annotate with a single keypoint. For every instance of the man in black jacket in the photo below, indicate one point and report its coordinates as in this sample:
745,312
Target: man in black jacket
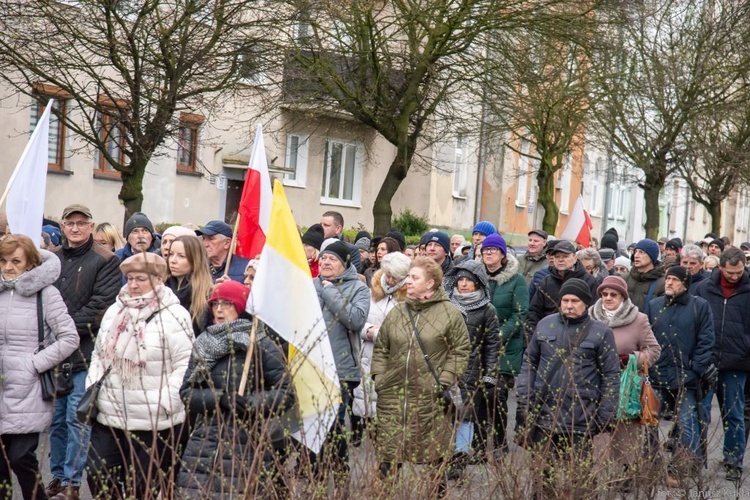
89,282
727,291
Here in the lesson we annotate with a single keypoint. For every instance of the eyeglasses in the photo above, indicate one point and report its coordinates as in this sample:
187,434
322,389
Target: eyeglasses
221,304
491,250
614,295
80,224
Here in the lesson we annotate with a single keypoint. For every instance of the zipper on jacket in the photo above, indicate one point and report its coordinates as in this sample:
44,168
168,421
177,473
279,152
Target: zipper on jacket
78,278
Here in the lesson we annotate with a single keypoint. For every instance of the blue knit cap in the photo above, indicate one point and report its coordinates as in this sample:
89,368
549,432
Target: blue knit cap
495,241
650,247
438,237
484,227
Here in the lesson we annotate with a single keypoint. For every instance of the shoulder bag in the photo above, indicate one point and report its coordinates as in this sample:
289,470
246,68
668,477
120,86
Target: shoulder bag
631,391
650,404
57,381
453,396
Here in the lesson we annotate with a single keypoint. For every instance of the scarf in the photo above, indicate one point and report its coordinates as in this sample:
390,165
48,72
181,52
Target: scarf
469,301
11,283
215,343
390,290
611,314
126,340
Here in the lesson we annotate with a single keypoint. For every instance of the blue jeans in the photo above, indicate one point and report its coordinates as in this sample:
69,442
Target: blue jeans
731,395
69,439
464,435
686,412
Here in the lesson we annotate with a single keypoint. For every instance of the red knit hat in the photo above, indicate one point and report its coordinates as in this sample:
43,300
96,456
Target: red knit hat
232,291
615,283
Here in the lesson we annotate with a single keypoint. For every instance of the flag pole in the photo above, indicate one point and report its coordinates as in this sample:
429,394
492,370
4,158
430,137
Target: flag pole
248,357
233,246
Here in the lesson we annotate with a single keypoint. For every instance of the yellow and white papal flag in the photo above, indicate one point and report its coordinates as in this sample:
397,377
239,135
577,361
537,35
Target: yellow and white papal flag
284,298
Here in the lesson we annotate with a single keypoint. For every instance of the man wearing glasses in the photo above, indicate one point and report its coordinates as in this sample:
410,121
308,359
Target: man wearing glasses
89,282
565,265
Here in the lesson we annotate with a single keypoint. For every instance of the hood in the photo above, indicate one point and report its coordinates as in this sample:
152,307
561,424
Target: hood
475,268
349,274
510,270
38,278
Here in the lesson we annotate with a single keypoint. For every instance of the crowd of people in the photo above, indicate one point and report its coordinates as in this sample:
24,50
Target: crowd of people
194,396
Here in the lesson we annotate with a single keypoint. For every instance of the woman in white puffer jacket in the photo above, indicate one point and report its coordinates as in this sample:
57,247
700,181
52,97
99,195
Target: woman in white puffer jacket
26,276
145,342
388,289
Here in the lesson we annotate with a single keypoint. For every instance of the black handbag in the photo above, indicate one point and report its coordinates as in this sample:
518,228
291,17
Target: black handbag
57,381
87,410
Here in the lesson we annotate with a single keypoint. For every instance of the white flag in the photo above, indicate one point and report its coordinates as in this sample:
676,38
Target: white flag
28,184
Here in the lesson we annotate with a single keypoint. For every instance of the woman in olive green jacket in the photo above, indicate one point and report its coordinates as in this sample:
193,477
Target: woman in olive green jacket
412,425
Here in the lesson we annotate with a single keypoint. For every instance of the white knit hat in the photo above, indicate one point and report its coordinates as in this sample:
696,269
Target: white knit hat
623,261
395,264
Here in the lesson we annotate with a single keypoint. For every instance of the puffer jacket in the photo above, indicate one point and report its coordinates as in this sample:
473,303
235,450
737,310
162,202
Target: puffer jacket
22,410
731,322
685,346
697,279
152,400
89,280
546,300
582,395
345,306
529,265
482,325
225,430
411,423
510,297
381,303
640,283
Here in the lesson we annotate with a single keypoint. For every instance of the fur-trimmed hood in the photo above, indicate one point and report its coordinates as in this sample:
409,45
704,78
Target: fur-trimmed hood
511,269
627,313
377,289
39,277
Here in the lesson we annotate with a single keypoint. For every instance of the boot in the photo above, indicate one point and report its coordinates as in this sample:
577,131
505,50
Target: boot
69,493
53,488
457,466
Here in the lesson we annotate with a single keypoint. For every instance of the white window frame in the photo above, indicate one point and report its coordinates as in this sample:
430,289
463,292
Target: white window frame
459,168
522,182
565,177
348,147
296,159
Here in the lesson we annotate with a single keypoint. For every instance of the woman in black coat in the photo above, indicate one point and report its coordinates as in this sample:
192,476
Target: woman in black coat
231,450
468,290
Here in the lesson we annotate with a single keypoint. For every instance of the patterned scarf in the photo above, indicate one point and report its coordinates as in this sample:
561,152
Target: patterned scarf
215,343
390,290
126,340
469,301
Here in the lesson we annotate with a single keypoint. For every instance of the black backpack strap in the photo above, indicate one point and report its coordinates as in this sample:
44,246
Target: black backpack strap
40,318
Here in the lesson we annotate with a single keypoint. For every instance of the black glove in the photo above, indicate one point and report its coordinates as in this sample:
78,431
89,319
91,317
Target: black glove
710,378
445,394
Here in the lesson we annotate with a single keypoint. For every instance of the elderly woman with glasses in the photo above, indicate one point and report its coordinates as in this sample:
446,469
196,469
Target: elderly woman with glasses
633,335
141,355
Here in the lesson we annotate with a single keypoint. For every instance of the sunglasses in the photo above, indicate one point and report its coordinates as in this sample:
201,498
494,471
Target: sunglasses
606,295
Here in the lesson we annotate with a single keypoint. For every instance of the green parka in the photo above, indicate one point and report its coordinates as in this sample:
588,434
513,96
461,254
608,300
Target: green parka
510,296
411,425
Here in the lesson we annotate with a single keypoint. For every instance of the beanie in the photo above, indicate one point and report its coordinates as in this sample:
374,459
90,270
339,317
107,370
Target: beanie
610,239
138,219
577,287
650,247
495,241
337,248
362,243
440,238
463,273
314,236
719,243
623,261
398,236
681,273
363,234
484,227
395,264
674,244
615,283
234,292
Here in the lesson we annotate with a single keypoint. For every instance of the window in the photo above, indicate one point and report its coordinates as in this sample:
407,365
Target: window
58,131
564,177
112,135
296,160
597,187
187,142
253,67
523,173
459,168
303,28
618,195
342,173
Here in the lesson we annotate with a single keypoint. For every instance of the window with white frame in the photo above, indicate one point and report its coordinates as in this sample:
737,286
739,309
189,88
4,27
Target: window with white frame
522,189
342,173
58,130
598,185
459,168
296,160
618,195
564,179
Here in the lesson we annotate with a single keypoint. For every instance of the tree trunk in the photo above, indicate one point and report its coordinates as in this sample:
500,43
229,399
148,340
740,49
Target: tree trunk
381,209
131,192
546,180
651,195
714,210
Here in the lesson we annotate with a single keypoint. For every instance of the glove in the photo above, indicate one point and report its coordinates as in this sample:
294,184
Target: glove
445,393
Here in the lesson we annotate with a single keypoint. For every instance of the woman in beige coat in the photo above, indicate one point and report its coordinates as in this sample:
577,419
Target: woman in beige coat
633,335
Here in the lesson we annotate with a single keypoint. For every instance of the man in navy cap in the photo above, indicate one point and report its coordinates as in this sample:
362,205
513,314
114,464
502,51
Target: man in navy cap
217,240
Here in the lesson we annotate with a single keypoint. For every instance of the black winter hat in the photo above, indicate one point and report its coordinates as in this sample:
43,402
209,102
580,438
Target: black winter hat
339,249
363,234
674,244
138,219
719,243
579,288
399,237
314,236
682,274
610,239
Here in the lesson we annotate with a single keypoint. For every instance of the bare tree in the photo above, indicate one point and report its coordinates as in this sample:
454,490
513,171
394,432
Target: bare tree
130,67
665,64
404,68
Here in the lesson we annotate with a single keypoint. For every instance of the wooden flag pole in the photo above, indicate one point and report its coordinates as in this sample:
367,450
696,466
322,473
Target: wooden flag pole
233,246
248,357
